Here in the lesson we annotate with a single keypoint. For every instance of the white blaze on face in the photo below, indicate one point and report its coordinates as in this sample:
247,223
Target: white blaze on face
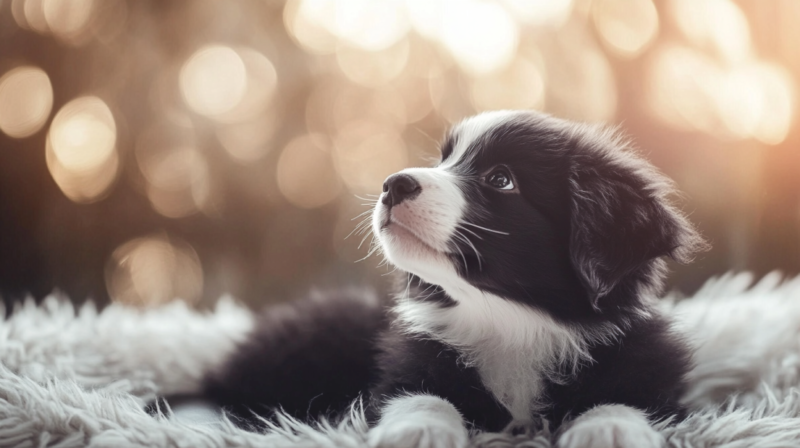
416,233
471,130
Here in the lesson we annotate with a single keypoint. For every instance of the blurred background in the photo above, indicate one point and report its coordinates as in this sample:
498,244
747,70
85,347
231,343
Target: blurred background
154,149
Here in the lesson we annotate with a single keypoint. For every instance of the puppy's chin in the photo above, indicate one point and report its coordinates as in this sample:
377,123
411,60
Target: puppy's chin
404,249
409,253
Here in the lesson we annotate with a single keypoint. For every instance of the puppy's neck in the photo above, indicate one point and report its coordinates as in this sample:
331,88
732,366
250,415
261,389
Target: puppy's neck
514,347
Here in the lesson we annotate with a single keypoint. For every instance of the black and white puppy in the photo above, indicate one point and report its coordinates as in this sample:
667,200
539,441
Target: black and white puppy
533,254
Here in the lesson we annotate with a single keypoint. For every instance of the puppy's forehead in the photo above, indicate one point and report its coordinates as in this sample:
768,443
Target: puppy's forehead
463,139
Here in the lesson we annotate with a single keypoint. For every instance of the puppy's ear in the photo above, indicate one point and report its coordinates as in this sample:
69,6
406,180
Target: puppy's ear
621,218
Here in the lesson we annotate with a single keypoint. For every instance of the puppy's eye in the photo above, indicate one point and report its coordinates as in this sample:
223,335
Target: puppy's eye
500,179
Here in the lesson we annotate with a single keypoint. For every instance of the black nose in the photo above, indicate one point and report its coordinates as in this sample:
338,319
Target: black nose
399,187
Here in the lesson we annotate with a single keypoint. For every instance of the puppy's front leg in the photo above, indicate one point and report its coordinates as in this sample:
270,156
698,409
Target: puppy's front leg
611,426
418,421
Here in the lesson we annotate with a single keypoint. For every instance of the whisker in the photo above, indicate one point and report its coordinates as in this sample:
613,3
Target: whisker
363,239
372,251
463,238
360,227
435,291
486,229
366,199
390,272
361,214
463,258
471,232
477,254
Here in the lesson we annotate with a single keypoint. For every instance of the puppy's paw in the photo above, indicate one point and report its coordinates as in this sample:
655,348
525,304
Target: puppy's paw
612,426
415,434
419,421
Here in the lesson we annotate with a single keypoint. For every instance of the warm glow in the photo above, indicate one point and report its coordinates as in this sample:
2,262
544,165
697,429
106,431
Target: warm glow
366,153
333,106
319,105
261,83
306,176
716,25
247,141
520,86
372,68
68,19
481,35
304,20
154,270
552,13
26,99
367,24
412,95
82,186
778,104
34,15
426,16
582,85
692,91
684,87
18,12
81,149
757,102
370,24
626,26
83,134
176,173
214,80
384,107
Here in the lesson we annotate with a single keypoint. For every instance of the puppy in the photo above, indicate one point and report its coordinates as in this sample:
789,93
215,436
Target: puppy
532,254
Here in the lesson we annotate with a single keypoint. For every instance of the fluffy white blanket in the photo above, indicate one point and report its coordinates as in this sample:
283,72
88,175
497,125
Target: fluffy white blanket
78,377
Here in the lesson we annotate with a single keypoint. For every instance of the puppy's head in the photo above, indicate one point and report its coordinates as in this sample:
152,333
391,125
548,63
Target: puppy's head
554,214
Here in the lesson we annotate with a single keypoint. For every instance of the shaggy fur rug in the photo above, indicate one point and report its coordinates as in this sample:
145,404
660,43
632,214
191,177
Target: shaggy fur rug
78,377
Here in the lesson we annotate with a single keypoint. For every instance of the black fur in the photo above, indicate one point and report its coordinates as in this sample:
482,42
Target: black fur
587,233
310,357
422,365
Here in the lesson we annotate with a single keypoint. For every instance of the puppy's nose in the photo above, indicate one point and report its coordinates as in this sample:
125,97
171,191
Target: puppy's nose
399,187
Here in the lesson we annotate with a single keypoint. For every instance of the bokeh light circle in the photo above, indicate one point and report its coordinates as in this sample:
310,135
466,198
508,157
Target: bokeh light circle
26,99
481,35
81,149
176,173
153,270
541,13
626,26
68,19
213,80
83,134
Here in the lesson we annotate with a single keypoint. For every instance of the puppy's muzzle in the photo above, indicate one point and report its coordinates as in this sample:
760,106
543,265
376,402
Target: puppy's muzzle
398,188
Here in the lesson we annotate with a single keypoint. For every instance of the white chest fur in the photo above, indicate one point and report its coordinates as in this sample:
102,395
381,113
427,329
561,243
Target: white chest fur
513,347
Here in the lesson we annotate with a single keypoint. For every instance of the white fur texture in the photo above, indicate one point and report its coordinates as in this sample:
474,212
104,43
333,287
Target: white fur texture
611,426
73,378
472,129
513,347
418,238
419,421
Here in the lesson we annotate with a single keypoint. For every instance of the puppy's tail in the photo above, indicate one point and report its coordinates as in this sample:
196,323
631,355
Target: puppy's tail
309,357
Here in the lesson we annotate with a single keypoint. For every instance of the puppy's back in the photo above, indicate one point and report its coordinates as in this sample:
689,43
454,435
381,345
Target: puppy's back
309,357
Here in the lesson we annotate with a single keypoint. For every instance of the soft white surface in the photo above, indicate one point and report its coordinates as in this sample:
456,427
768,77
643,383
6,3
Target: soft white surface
72,378
615,426
422,421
